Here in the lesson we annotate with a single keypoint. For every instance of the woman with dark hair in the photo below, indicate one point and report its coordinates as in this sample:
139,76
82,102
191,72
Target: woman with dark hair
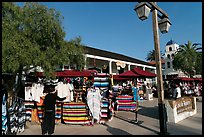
48,124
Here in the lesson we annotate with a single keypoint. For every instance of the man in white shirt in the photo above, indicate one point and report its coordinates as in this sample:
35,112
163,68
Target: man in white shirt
177,91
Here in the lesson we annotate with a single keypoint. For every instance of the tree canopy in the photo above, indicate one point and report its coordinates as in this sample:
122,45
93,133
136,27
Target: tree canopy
33,35
151,55
189,59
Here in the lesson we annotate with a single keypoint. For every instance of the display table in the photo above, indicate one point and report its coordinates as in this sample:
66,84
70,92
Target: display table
180,109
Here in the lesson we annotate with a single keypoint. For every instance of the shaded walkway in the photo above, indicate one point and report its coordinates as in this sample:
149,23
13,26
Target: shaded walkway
139,123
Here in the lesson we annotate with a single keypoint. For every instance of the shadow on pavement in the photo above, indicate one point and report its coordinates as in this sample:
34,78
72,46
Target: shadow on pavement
176,129
149,111
139,123
116,131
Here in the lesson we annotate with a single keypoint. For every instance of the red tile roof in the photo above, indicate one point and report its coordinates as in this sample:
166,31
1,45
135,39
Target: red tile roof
154,62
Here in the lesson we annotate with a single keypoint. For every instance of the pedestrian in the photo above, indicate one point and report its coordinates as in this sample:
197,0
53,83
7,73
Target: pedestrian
48,123
177,92
154,91
135,99
148,91
135,92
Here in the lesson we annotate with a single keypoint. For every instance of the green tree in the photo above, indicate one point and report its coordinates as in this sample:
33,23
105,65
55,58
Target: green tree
198,63
151,55
74,51
188,59
33,35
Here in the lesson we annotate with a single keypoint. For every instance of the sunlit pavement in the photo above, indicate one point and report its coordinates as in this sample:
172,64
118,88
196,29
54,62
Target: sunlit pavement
148,124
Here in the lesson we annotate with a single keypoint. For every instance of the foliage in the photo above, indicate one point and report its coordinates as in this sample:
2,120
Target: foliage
151,55
198,63
33,35
188,59
75,52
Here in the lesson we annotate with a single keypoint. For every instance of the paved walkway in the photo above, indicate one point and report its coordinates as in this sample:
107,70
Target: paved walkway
121,124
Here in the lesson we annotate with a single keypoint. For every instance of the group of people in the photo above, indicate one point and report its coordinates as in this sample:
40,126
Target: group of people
191,89
179,89
174,89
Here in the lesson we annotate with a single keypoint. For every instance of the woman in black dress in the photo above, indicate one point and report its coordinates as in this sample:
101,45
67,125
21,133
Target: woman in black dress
48,124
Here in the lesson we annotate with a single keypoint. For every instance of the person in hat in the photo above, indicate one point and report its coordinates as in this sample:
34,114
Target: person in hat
48,123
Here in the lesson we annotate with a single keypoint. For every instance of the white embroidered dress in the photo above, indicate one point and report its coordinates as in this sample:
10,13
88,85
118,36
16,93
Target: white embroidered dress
94,101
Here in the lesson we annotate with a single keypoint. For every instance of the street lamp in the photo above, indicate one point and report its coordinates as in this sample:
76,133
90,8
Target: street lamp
163,25
143,10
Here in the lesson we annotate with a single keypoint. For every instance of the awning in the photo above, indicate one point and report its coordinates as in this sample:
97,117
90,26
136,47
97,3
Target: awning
129,74
184,79
198,79
137,73
72,73
143,73
116,77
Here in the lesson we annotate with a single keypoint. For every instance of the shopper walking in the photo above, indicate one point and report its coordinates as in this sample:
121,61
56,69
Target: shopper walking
48,124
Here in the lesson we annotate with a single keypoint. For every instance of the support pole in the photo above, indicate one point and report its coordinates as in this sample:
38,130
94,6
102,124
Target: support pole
160,90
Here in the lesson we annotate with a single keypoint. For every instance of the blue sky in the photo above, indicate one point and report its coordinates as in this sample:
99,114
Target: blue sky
115,27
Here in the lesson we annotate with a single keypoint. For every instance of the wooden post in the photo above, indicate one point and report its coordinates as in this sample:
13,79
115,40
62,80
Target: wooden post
160,90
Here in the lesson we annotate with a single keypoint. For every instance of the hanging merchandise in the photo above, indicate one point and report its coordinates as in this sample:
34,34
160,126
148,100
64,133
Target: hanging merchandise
102,81
40,110
29,105
104,111
94,101
17,115
63,90
4,115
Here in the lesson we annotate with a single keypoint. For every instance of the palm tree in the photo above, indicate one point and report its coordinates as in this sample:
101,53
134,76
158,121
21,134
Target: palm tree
151,55
186,58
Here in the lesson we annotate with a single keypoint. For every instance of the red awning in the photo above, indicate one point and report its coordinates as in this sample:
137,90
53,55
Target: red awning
129,74
143,73
184,79
197,79
73,73
116,77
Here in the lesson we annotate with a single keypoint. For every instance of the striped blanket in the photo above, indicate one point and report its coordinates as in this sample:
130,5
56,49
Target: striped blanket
75,113
125,103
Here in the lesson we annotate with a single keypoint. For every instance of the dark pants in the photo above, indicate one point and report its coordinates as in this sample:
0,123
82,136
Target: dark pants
48,124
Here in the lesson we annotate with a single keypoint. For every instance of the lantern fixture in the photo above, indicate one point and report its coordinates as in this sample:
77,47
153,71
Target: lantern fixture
142,10
164,25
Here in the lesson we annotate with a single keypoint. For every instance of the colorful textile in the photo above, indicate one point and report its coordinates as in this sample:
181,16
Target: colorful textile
4,115
125,103
17,115
101,84
29,105
75,113
104,111
101,79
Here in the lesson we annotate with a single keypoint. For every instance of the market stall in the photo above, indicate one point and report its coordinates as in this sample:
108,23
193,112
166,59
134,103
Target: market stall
132,90
76,109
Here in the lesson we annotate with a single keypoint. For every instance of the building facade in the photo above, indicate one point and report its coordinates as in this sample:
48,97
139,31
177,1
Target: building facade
114,63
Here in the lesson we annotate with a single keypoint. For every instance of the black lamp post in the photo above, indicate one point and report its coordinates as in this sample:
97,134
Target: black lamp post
143,9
